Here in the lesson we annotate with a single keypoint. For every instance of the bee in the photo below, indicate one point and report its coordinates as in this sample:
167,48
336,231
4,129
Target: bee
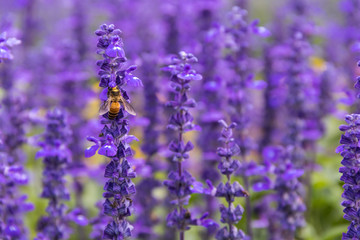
187,215
113,104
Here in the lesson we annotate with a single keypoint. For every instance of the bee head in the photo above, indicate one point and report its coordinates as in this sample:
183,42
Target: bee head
114,91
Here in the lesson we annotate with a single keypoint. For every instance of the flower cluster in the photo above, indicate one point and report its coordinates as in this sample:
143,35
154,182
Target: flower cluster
349,151
258,163
13,118
13,204
288,216
113,142
180,182
230,215
6,44
56,156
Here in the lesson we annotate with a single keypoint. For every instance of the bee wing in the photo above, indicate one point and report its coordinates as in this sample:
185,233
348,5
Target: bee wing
130,109
104,107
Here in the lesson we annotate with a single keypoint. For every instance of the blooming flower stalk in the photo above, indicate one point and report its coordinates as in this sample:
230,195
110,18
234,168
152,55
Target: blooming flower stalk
13,118
180,182
288,215
56,156
113,142
349,149
13,204
230,214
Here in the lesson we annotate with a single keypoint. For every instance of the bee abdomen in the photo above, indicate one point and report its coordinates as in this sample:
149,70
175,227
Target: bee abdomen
114,110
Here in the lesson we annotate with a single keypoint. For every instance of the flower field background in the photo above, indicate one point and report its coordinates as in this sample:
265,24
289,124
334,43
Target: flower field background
222,121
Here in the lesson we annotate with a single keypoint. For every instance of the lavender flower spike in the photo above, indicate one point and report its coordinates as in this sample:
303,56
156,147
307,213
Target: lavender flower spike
230,215
289,214
113,142
56,157
180,182
13,204
349,150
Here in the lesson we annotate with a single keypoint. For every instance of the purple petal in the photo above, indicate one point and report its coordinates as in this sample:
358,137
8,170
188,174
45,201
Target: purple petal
103,94
114,51
90,151
108,150
133,81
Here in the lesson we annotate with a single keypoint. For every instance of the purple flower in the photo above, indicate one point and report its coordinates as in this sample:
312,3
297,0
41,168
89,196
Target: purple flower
108,149
230,233
180,186
288,192
5,46
117,231
113,142
180,182
12,173
230,191
230,215
55,158
349,149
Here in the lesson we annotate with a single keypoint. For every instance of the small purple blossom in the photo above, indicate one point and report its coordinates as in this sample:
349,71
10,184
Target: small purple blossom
6,44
